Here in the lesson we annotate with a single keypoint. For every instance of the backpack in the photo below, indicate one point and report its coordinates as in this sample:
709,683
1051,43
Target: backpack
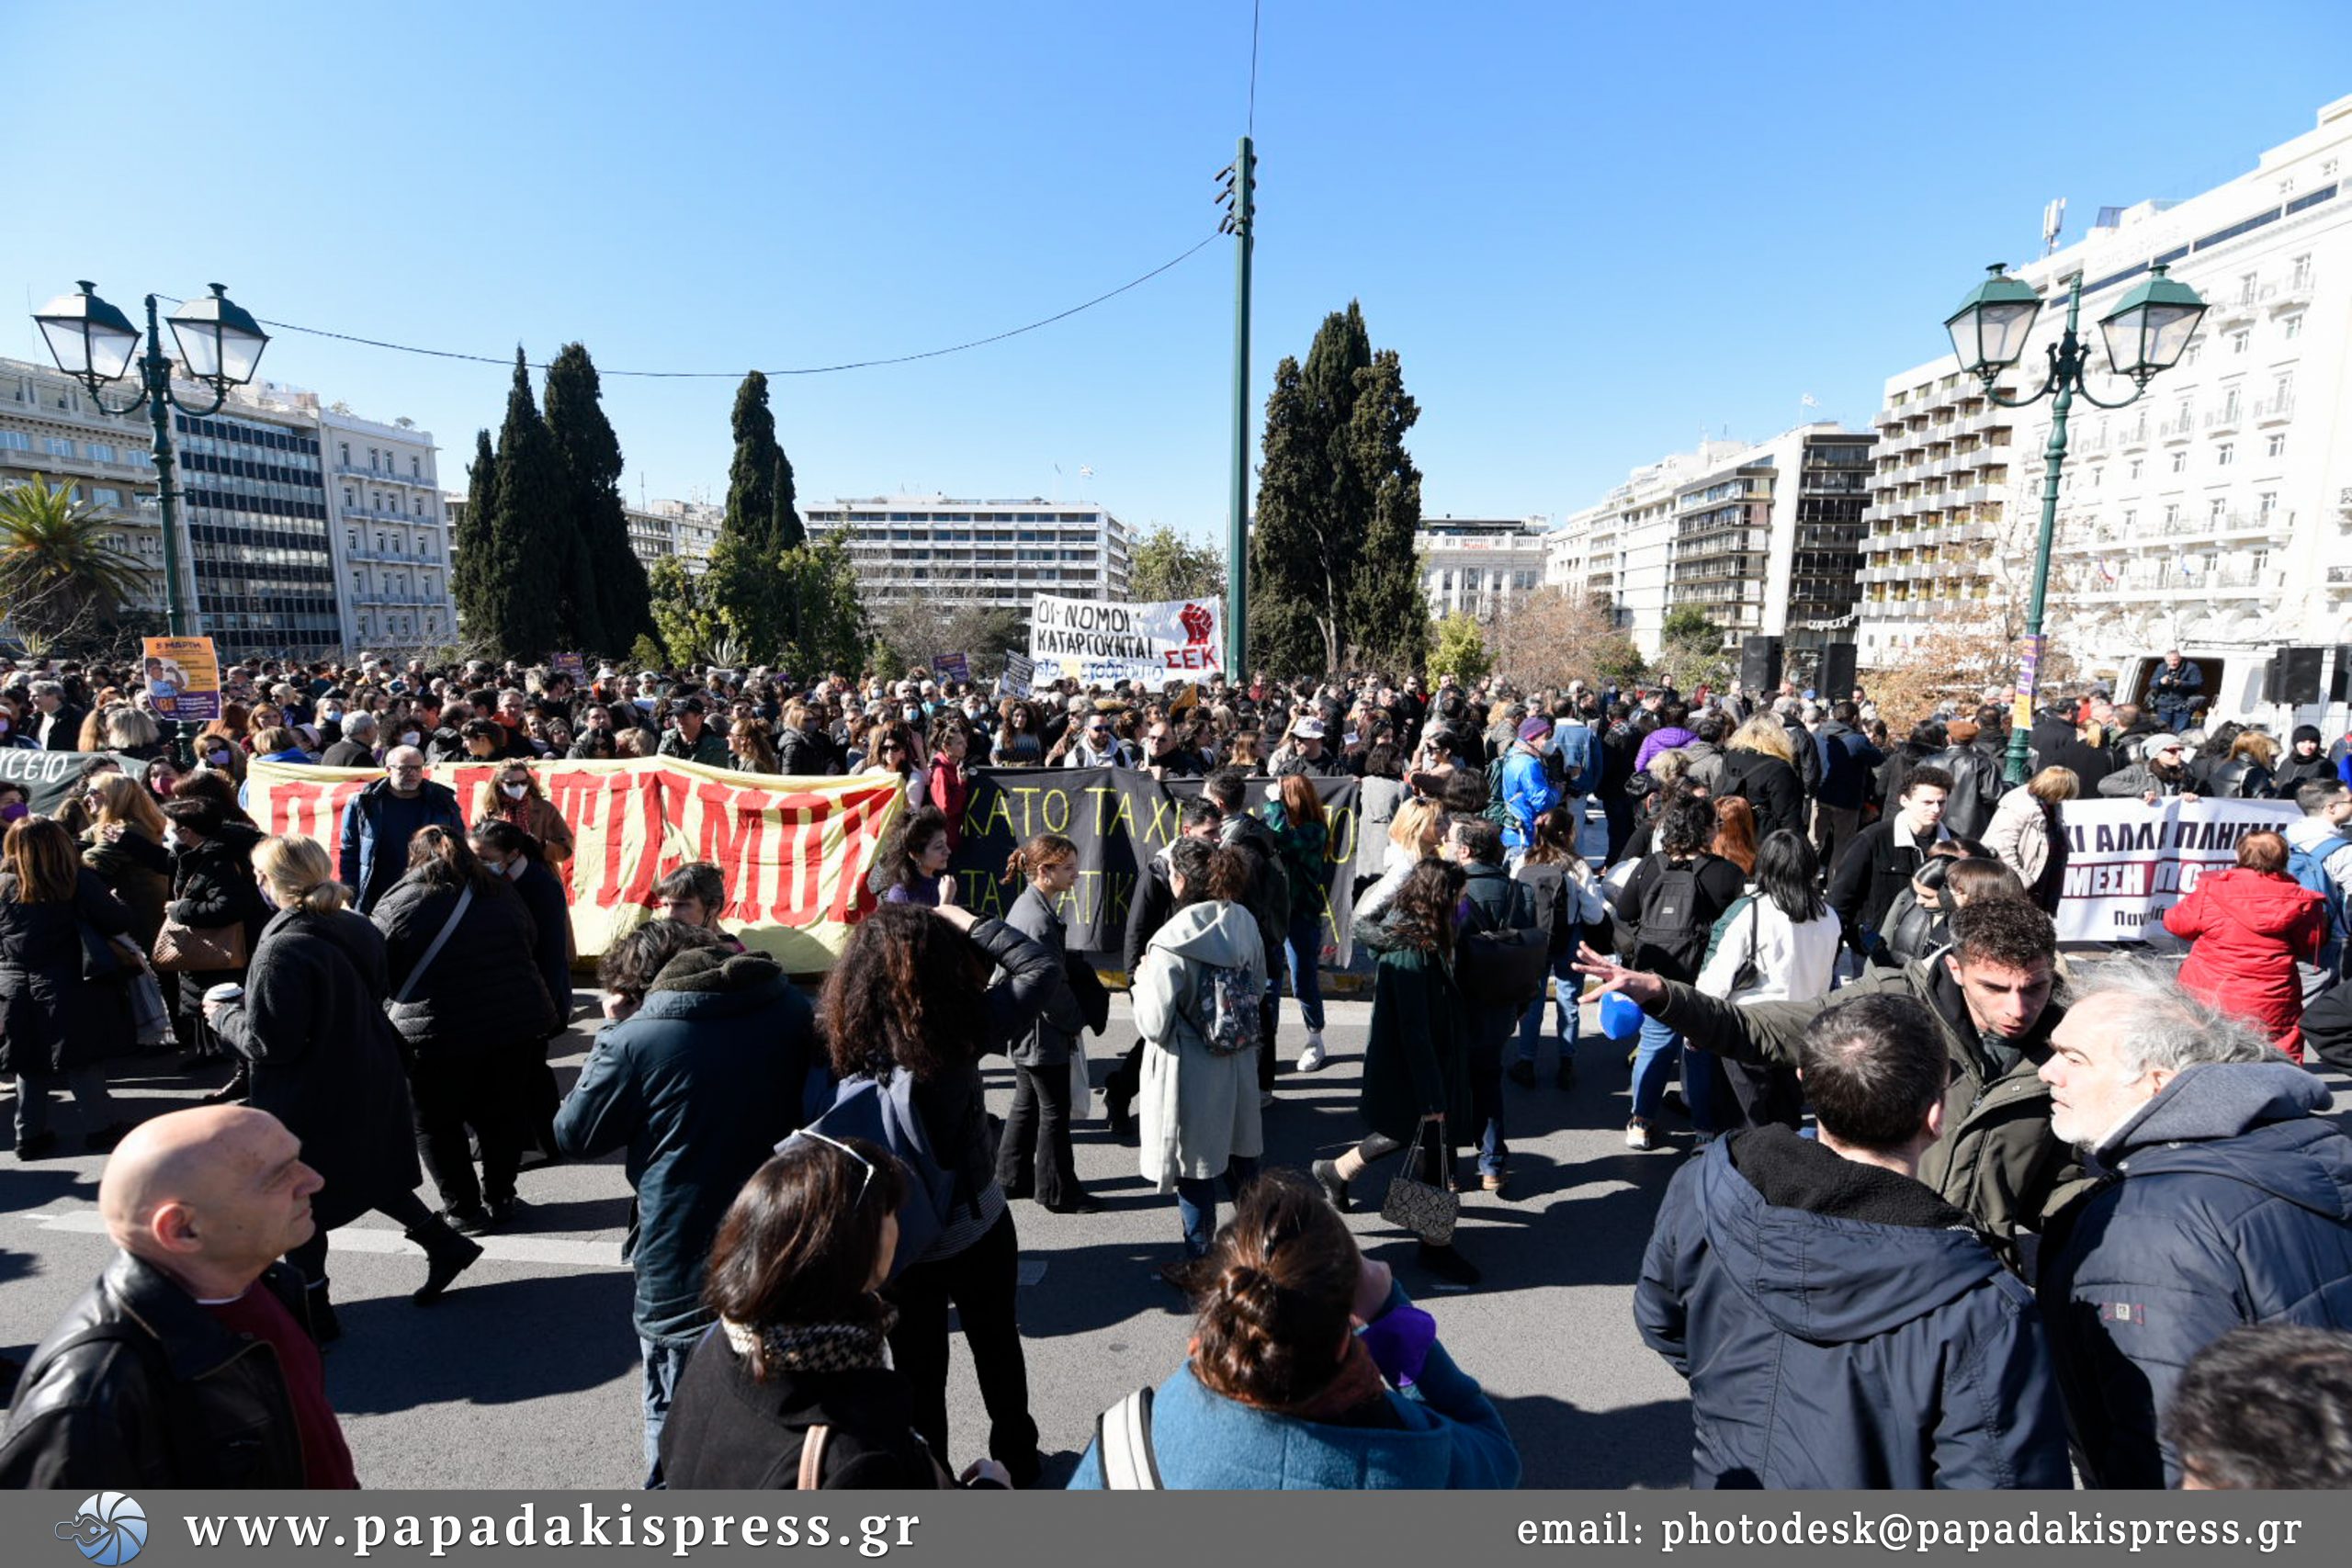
2311,871
1229,1022
1496,811
1670,920
1122,1445
883,1112
1501,966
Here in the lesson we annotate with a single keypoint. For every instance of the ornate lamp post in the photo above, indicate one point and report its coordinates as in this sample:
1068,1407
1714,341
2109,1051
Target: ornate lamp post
2146,333
221,345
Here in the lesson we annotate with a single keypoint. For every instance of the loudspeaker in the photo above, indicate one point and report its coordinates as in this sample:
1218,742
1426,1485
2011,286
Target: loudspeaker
2295,675
1836,679
1759,663
2339,685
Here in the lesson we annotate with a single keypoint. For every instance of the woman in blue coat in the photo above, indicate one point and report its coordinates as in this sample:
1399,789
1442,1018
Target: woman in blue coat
1310,1370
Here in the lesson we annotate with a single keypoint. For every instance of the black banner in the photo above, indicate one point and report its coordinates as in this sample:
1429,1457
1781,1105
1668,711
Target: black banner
1119,818
50,778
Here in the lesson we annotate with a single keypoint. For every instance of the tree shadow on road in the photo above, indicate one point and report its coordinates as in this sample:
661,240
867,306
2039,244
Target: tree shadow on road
1561,1445
487,1342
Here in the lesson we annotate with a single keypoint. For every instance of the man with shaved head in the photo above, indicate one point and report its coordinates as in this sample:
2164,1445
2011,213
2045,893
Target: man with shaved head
188,1364
378,821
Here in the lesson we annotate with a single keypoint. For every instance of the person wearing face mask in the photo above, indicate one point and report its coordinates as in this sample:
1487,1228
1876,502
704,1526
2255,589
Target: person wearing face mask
13,808
13,735
357,747
326,1062
507,851
512,795
1033,1158
219,750
212,888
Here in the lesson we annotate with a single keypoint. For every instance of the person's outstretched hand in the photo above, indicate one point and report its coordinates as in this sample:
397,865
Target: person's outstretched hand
1641,986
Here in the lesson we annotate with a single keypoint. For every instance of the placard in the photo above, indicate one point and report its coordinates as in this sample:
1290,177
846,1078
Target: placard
1100,642
183,679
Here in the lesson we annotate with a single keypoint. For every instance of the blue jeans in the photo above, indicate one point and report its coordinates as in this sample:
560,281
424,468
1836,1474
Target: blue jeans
1486,1055
1563,989
1305,945
665,1361
1655,1060
1196,1202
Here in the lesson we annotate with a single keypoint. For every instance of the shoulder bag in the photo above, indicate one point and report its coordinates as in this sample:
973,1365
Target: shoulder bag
189,949
440,940
1427,1210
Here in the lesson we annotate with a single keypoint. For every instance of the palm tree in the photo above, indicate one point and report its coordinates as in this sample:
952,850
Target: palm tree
59,570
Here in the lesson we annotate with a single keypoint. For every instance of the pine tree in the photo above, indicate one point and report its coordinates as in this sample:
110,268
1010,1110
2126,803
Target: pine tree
470,554
528,531
1387,607
752,478
613,606
749,583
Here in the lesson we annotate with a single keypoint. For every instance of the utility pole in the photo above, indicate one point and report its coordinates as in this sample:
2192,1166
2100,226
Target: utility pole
1240,218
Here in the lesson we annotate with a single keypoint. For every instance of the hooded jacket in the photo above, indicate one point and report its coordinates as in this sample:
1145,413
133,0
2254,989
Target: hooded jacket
1196,1110
2224,1201
1842,1327
698,1085
2249,927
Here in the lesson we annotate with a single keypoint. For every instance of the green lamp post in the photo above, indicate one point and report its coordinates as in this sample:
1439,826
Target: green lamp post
2146,333
220,346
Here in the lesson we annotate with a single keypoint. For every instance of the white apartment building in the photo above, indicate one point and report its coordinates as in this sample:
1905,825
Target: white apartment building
1479,565
389,531
988,552
2215,514
1763,538
49,426
687,529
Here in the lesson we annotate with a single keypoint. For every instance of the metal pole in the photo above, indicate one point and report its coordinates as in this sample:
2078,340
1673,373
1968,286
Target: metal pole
1237,538
155,369
2069,371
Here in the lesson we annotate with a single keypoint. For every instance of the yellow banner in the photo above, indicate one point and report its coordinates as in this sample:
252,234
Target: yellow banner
795,851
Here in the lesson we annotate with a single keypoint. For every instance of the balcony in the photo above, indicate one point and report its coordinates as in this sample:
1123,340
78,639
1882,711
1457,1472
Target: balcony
2224,420
2133,437
2339,577
2180,428
2277,409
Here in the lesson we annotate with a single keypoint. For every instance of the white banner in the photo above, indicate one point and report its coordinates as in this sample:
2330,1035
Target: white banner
2127,863
1099,642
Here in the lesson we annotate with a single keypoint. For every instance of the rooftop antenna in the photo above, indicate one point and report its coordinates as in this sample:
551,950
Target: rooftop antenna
2053,221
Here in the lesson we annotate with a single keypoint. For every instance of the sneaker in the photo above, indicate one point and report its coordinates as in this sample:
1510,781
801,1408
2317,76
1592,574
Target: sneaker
1637,1135
1335,1186
1311,1059
1521,1072
1450,1265
1495,1182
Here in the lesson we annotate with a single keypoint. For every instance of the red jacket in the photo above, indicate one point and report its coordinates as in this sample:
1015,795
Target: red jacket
2249,927
951,791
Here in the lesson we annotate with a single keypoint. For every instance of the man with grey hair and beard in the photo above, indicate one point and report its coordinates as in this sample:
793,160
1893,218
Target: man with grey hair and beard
2215,1196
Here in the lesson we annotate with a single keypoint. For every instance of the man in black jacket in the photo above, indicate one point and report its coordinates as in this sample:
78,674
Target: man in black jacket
1881,860
1492,902
188,1365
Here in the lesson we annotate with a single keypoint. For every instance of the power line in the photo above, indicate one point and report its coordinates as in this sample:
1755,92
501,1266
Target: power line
796,370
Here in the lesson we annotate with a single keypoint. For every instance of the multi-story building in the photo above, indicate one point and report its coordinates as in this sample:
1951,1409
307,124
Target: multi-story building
985,552
49,426
1479,565
687,529
254,501
2215,514
389,532
1762,540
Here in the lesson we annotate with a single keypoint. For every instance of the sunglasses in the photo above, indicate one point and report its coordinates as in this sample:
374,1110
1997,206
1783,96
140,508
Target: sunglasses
861,1159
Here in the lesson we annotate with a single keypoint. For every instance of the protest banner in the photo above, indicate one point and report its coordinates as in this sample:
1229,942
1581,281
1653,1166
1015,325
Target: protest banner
569,664
1018,679
1101,642
951,666
50,778
183,678
795,851
2128,862
1118,818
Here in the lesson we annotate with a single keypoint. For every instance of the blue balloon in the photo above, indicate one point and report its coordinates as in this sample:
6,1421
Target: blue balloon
1621,1016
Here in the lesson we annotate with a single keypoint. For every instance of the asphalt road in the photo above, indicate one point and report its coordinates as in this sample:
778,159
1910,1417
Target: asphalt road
527,1374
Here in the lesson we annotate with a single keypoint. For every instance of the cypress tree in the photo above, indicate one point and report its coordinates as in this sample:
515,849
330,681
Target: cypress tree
752,478
528,531
1387,607
750,581
1314,510
615,604
469,549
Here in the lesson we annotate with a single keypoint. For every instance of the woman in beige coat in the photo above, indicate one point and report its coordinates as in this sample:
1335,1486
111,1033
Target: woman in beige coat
2027,835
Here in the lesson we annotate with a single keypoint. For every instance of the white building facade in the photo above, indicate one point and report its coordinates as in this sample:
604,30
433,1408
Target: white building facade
49,426
1001,552
390,532
2215,514
685,529
1478,566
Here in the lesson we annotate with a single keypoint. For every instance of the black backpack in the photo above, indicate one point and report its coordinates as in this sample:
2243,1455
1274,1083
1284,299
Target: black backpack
1669,924
1502,966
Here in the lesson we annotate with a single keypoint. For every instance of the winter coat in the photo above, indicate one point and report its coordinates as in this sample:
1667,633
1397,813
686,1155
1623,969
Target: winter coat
359,849
100,1414
1301,845
1663,738
699,1084
951,791
535,814
1528,793
1997,1158
1848,761
2025,836
1446,1436
1976,789
52,1019
1842,1327
1871,873
2140,778
212,884
1269,901
1492,901
1769,785
542,895
137,870
708,748
1196,1110
727,1432
1376,801
1794,959
2224,1201
483,991
1149,907
2249,927
1055,1037
325,1059
1416,1059
800,755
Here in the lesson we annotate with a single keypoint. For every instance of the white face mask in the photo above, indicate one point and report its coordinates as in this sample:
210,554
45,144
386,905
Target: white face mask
411,737
514,791
171,839
218,759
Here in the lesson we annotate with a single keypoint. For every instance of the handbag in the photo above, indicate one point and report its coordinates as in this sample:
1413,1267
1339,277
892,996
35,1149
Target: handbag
182,948
1426,1210
151,1020
101,959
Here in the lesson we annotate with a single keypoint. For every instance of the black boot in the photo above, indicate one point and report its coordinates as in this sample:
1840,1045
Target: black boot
324,1327
447,1255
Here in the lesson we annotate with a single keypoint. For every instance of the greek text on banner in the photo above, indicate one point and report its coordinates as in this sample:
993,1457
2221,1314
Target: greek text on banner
1103,641
2128,862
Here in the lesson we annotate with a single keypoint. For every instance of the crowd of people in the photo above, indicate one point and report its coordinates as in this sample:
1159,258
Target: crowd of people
1961,1209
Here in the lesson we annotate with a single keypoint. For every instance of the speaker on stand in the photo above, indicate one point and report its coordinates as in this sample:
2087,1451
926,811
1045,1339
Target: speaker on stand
1759,664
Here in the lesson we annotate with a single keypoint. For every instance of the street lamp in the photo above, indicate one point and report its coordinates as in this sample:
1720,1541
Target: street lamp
221,345
2146,333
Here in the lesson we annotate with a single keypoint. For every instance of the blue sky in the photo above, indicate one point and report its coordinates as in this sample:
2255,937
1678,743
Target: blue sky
1592,231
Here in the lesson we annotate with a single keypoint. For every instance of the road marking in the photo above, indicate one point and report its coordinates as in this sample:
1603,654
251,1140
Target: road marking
354,1239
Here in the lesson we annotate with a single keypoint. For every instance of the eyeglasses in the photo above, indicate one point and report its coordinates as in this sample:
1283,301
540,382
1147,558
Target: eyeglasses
861,1159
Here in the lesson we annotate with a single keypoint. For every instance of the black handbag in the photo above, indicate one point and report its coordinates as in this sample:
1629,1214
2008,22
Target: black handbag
101,959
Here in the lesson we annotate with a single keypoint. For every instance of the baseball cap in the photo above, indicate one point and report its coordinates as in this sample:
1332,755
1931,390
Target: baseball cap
1308,729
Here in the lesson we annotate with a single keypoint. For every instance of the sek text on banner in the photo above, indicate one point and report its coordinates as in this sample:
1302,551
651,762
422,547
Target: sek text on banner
795,851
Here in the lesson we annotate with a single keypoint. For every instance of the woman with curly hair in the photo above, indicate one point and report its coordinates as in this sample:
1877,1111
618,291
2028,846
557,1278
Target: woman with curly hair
912,994
1019,740
911,866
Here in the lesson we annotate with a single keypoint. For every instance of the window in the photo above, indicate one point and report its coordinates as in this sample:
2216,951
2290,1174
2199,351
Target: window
2277,445
2171,516
2240,340
2217,509
106,497
2292,327
100,451
2225,454
2180,461
2300,275
58,447
2134,470
354,537
372,455
349,499
2249,285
